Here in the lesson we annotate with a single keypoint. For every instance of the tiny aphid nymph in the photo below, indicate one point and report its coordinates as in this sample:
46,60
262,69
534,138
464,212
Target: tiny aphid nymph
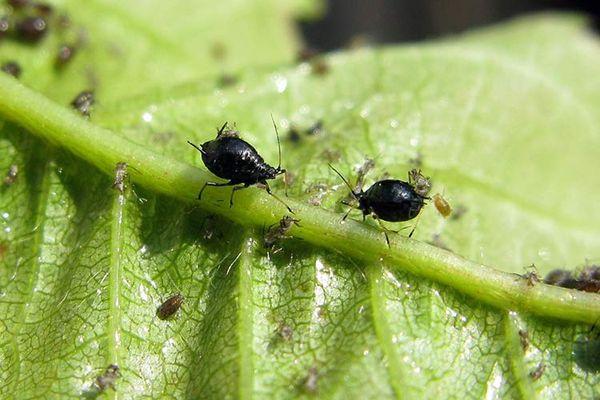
442,205
108,378
83,102
279,231
169,307
232,158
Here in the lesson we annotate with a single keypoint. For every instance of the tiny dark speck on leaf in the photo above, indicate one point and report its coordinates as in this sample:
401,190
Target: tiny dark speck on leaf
12,68
3,250
83,102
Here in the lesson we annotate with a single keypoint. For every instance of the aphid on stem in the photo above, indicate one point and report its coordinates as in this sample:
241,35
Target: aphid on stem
230,157
390,200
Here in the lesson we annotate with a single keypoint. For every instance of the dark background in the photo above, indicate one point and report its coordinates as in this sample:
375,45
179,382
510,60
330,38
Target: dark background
390,21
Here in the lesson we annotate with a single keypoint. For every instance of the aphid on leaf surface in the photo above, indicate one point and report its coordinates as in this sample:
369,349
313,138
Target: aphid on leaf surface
83,102
531,276
11,175
538,372
108,379
229,157
64,55
167,309
12,68
390,200
524,338
31,29
279,231
120,177
586,281
285,332
311,381
420,183
442,205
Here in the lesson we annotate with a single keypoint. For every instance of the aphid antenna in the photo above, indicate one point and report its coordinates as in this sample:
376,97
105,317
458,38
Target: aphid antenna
220,130
278,143
345,181
196,147
415,227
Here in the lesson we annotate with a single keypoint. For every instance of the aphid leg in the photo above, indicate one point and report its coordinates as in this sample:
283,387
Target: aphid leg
384,228
268,189
212,184
349,209
235,189
415,227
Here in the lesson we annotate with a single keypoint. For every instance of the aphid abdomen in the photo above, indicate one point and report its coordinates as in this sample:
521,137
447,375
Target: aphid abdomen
234,159
393,200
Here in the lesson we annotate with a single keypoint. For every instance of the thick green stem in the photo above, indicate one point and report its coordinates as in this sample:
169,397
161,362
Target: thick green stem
253,207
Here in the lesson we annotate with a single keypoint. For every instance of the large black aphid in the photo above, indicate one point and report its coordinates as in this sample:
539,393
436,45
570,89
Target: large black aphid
389,200
229,157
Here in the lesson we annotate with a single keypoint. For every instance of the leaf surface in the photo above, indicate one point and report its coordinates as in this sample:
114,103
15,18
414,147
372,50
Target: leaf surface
503,126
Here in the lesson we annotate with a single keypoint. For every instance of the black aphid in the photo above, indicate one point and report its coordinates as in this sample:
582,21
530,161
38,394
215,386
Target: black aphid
120,177
167,309
279,231
588,279
108,378
83,102
31,29
64,55
389,200
12,68
11,176
229,157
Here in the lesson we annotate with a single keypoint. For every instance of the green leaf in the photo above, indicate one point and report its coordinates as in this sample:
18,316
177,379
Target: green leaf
505,127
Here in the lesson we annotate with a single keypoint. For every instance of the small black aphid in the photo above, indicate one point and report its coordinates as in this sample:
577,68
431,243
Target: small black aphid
120,176
586,281
279,231
390,200
538,372
226,80
229,157
64,55
83,102
12,68
11,176
169,307
108,378
31,29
